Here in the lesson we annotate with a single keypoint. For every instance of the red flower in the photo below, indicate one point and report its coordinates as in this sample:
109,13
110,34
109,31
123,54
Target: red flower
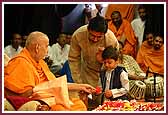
98,90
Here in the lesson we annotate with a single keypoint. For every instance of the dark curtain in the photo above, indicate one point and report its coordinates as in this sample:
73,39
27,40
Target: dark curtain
13,19
48,18
65,9
155,21
25,18
158,19
45,18
73,20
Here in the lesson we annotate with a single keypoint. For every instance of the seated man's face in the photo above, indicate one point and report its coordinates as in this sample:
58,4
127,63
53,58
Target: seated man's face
62,40
158,42
149,39
116,19
17,40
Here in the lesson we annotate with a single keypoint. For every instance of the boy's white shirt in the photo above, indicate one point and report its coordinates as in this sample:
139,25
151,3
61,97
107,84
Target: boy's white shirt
124,82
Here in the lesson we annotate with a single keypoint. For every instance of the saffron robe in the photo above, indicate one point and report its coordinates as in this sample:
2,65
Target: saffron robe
125,31
154,59
126,10
23,73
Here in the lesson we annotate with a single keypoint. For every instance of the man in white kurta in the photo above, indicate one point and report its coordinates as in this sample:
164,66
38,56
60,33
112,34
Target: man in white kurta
59,52
59,55
99,9
138,25
14,48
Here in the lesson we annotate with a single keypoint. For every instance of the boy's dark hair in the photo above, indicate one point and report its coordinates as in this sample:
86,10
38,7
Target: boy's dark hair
110,53
98,24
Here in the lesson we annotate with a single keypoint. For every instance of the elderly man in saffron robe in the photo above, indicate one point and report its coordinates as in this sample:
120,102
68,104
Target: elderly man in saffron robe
28,69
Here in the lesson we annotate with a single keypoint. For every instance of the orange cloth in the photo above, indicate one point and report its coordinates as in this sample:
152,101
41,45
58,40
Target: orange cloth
126,31
140,55
126,10
148,57
23,73
77,106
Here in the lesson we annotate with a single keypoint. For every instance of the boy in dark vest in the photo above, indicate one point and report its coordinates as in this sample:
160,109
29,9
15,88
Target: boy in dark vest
113,78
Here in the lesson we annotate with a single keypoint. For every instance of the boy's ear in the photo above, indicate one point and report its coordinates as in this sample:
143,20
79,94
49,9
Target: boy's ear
117,62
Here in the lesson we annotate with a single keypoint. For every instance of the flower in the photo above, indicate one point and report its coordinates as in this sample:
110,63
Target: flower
98,90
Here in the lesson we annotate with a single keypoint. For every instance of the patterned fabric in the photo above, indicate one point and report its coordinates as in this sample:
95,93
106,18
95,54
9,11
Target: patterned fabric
131,65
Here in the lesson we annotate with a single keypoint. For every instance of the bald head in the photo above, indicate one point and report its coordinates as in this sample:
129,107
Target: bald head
37,45
34,38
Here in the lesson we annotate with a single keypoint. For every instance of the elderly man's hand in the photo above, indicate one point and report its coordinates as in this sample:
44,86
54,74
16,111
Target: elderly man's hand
81,87
87,88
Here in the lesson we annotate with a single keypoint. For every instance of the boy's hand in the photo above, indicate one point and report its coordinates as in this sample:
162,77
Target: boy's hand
108,94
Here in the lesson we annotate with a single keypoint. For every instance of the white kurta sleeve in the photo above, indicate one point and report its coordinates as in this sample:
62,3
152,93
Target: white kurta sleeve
125,85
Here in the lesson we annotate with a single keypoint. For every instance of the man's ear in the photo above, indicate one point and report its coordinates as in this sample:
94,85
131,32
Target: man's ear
37,48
